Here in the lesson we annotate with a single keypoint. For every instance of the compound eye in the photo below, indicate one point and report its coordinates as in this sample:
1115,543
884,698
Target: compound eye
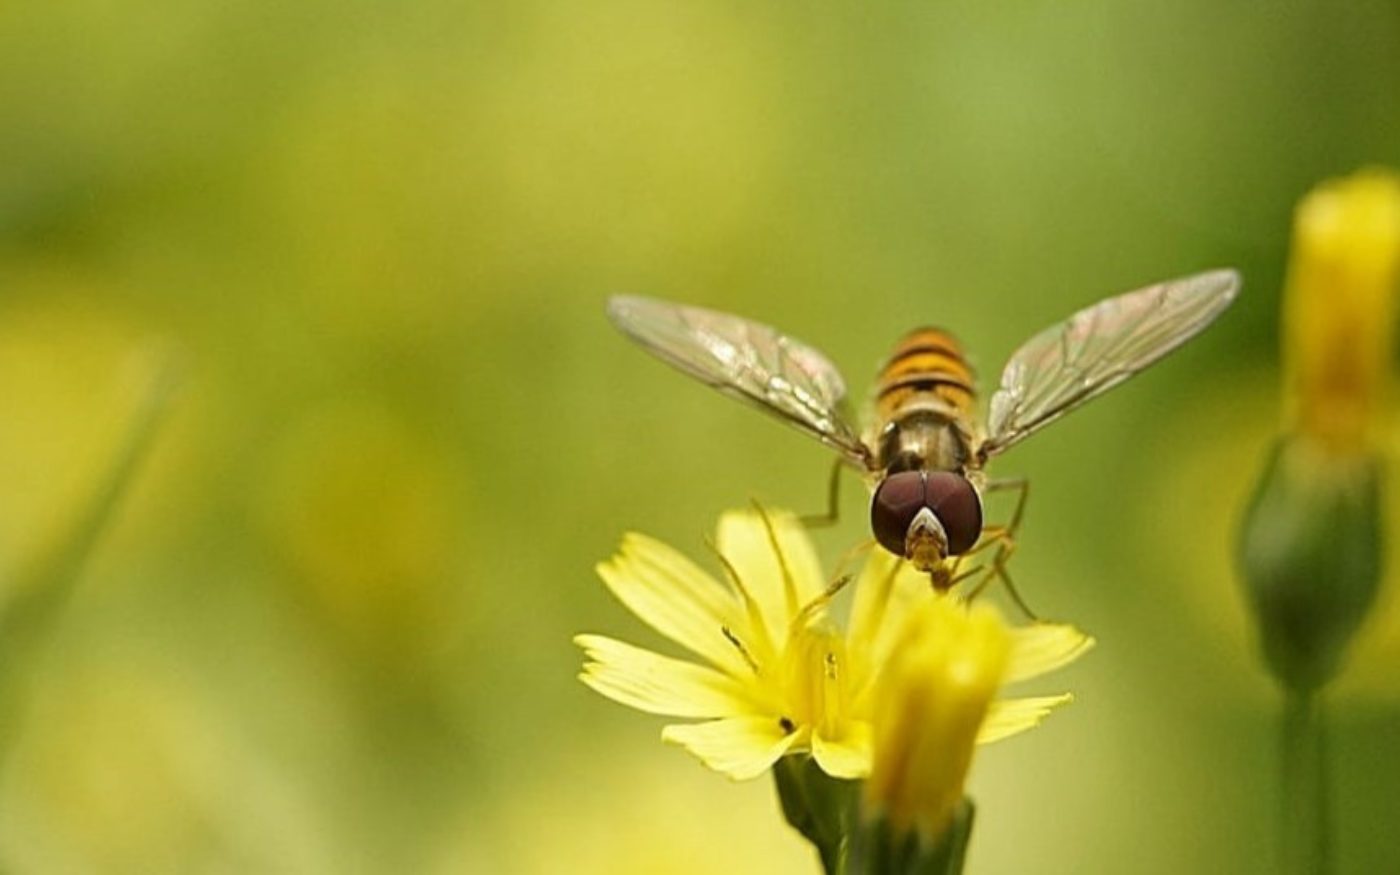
957,507
897,500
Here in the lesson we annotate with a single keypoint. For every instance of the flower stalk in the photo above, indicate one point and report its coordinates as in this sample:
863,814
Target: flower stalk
1305,837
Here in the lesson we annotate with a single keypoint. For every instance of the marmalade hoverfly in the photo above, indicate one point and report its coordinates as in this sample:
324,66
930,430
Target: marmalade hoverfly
923,451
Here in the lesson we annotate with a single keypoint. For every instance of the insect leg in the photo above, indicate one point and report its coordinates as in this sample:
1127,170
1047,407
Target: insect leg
999,569
964,574
1001,535
1023,487
991,536
1004,537
833,501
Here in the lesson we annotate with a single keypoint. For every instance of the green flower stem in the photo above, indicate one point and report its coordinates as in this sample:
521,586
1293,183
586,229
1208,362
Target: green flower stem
876,849
1305,837
45,584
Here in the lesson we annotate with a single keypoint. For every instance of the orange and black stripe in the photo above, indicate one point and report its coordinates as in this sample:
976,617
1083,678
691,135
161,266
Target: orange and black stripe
927,361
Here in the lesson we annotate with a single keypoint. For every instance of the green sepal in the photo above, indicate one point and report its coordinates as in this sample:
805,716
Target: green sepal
817,805
1311,554
878,849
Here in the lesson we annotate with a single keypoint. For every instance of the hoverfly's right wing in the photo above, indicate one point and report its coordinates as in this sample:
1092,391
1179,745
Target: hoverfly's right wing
1097,348
749,361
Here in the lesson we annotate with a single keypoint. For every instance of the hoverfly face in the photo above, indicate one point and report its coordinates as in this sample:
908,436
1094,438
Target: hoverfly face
926,516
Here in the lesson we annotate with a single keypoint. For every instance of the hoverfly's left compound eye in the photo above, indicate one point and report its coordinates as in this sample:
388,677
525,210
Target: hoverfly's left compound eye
897,501
958,508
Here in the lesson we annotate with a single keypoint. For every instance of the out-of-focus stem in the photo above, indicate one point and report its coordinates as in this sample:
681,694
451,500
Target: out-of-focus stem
1305,836
876,849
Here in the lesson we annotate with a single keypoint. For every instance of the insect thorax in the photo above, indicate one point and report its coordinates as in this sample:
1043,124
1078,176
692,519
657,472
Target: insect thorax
923,439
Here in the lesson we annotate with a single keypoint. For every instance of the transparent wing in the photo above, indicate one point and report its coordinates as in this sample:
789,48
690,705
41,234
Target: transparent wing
1099,347
749,361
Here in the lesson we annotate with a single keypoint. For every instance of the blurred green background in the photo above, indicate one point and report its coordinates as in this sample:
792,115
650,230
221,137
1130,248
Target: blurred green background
329,630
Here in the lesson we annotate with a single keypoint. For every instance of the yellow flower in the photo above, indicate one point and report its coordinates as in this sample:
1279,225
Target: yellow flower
1340,307
1311,546
778,675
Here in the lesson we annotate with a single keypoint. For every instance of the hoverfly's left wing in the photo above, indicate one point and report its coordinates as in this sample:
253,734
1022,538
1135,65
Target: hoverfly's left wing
1097,348
749,361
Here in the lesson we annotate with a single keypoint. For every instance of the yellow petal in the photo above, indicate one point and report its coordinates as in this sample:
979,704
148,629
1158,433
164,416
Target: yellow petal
1043,647
873,589
1009,717
888,591
1339,309
669,593
845,757
779,586
659,684
740,747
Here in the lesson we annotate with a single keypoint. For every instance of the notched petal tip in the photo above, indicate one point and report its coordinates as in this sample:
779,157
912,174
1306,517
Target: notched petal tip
1043,647
1010,717
657,684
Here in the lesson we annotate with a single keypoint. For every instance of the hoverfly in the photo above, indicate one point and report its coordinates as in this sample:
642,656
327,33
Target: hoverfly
923,452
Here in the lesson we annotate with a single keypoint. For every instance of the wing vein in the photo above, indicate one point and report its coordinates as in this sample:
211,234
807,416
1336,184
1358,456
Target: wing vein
749,361
1098,348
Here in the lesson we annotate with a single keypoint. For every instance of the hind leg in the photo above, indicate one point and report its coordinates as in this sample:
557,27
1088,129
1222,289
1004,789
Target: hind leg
998,571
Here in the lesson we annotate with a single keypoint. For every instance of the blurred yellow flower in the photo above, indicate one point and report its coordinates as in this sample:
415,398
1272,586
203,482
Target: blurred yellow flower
781,678
930,704
360,505
1340,307
1313,540
123,766
1311,545
583,791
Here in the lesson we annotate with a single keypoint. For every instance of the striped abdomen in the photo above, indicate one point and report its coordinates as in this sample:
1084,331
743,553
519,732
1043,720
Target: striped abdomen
927,365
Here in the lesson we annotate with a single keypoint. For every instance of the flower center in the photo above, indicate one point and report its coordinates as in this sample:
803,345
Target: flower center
815,679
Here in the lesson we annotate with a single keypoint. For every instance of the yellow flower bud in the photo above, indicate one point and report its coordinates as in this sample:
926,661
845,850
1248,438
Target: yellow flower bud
930,703
1339,309
1312,539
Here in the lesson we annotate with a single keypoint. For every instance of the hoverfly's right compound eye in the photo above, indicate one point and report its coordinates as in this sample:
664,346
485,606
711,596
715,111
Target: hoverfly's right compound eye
897,501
